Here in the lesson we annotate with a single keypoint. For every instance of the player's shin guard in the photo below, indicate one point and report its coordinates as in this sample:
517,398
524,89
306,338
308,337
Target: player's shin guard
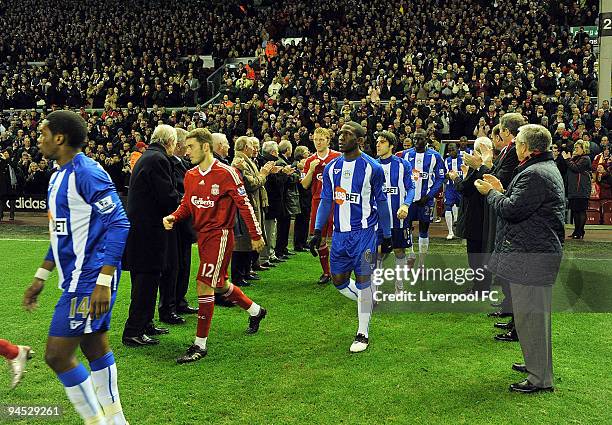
104,377
455,212
80,392
365,304
206,308
8,350
324,259
235,295
348,289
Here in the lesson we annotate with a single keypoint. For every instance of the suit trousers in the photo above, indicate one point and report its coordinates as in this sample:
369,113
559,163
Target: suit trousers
476,260
241,265
300,230
11,203
168,282
532,307
268,250
142,304
184,240
282,235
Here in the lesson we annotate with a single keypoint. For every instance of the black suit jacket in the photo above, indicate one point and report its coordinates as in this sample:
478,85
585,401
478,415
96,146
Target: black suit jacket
504,168
151,196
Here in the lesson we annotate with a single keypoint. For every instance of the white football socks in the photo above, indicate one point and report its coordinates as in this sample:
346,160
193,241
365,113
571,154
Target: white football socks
349,290
364,309
423,245
254,309
448,216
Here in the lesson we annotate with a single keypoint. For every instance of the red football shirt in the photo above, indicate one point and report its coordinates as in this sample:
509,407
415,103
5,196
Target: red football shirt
317,177
212,197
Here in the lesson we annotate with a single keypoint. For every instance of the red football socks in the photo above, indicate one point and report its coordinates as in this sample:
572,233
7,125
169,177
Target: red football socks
235,295
206,307
8,350
324,259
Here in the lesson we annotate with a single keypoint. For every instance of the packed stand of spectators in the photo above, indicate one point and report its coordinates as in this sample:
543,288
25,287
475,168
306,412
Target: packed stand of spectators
367,63
106,54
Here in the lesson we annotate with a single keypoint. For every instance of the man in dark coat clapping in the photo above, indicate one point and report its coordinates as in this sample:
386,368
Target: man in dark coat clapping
529,247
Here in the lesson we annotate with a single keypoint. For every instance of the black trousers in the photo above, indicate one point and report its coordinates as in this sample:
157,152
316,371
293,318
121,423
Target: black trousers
300,230
254,256
283,224
241,265
142,305
477,260
12,205
167,284
506,305
184,240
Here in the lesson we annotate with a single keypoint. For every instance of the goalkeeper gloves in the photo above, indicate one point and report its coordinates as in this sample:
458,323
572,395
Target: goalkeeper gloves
315,242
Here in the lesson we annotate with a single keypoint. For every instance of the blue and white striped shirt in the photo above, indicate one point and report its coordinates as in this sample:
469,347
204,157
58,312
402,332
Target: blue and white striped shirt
453,164
427,172
87,224
399,187
355,187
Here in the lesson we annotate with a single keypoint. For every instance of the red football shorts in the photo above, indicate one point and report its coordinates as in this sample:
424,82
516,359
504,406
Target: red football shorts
328,228
215,248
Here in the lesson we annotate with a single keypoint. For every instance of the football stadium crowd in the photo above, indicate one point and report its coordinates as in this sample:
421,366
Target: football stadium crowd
399,68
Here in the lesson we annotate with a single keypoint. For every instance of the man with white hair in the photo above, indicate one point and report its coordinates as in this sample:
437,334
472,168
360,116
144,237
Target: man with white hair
471,211
221,147
152,195
275,188
530,214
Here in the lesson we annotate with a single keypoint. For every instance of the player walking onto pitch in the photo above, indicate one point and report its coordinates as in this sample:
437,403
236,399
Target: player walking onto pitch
17,357
452,198
213,192
428,175
88,228
399,188
313,178
354,184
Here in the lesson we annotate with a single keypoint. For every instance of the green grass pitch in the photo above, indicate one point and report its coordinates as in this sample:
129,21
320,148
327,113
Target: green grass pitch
420,367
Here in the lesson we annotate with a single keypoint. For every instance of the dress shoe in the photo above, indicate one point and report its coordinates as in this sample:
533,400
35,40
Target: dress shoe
187,310
499,314
221,301
503,325
260,268
324,279
154,330
528,388
267,264
509,336
253,276
139,341
519,367
172,319
241,283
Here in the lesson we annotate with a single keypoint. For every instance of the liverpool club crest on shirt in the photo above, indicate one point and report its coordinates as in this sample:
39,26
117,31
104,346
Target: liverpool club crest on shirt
214,189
